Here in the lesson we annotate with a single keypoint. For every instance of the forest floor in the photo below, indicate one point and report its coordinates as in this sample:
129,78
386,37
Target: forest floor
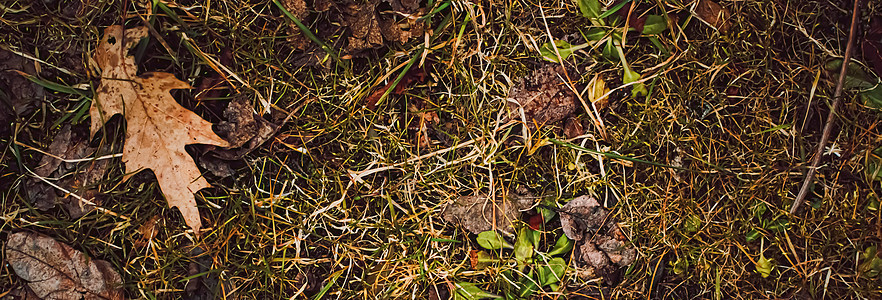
447,149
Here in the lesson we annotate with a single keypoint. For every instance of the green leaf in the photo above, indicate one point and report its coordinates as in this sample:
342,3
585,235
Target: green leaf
630,76
872,264
589,8
752,235
595,33
523,249
470,291
764,266
553,272
614,9
564,48
528,286
778,225
492,240
609,50
680,266
872,97
563,245
692,224
655,24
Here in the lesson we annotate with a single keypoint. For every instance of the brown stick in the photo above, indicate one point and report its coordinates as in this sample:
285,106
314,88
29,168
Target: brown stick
828,126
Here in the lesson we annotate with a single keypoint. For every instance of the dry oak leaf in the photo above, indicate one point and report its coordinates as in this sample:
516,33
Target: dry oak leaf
54,270
157,127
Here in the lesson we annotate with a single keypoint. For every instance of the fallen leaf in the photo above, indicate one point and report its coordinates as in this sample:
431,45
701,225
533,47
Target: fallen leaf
713,14
54,270
479,213
573,128
18,95
298,9
412,77
75,177
603,248
244,128
157,127
543,96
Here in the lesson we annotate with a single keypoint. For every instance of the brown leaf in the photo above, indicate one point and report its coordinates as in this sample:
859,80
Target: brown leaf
478,213
543,96
602,247
54,270
579,215
243,127
713,14
18,95
68,144
157,127
298,9
413,76
573,128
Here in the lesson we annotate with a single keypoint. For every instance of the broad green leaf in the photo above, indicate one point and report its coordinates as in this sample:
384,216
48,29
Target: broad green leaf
564,48
764,266
655,24
470,291
523,249
553,272
492,240
855,77
873,97
871,264
563,245
630,76
589,8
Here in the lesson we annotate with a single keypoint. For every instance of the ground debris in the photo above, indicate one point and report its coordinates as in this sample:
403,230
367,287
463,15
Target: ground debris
69,144
713,14
244,130
18,96
54,270
602,247
368,23
479,213
543,97
157,127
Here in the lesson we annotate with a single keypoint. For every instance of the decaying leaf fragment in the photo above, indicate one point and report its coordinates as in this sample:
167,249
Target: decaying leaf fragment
157,127
602,247
479,213
543,97
713,14
75,177
54,270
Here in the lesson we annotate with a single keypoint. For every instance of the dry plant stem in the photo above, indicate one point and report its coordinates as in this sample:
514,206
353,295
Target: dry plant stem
828,126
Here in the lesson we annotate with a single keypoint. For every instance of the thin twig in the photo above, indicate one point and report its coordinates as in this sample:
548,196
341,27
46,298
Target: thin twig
828,126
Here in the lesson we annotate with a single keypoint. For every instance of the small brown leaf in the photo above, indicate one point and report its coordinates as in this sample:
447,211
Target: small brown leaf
713,14
602,246
54,270
478,213
543,96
